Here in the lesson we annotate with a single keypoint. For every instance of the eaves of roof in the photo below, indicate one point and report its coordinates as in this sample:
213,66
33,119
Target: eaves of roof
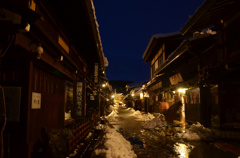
211,13
182,48
156,40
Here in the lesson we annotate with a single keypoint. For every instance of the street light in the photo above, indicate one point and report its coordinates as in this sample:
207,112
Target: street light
103,85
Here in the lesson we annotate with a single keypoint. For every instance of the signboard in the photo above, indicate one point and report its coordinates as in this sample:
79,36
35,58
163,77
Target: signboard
36,100
175,79
79,98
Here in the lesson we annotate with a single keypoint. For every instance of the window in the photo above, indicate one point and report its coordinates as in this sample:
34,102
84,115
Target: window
153,69
160,60
68,100
156,64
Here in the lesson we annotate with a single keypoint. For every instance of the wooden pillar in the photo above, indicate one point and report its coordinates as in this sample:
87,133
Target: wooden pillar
205,105
84,95
73,113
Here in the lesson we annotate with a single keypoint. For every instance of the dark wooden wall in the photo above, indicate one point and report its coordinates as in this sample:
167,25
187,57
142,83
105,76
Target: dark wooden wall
51,113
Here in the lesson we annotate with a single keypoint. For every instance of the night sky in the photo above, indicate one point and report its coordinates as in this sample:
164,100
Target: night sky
126,27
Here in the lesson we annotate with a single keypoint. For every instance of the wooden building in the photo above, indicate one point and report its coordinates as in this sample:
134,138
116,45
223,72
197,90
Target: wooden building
219,67
157,54
205,67
51,60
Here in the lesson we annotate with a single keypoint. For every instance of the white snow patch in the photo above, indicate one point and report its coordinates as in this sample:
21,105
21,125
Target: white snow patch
195,133
113,109
100,126
157,122
143,117
112,116
117,146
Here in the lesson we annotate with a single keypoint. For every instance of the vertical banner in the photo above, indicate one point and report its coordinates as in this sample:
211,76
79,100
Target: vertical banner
96,73
79,98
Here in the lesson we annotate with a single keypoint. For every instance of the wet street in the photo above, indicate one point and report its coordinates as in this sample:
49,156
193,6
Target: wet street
155,144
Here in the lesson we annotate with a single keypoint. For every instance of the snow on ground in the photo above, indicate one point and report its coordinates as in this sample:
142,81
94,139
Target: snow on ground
100,127
116,145
196,132
143,117
113,108
131,109
157,122
112,116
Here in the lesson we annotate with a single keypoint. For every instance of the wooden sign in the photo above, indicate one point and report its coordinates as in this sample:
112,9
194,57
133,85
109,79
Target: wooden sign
175,79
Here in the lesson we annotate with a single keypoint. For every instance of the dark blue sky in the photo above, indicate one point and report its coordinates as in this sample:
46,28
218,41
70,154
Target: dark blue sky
126,27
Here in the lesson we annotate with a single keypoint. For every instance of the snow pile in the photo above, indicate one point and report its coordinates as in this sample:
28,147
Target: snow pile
204,33
117,146
143,117
112,116
195,133
112,108
131,109
137,113
157,122
147,117
100,127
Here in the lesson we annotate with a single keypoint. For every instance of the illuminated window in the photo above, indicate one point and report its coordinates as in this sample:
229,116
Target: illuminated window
64,45
68,100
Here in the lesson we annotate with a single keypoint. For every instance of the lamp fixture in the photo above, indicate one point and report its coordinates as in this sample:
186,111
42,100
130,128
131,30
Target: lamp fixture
39,50
60,58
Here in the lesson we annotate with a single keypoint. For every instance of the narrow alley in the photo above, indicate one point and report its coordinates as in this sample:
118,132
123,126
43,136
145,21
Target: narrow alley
156,144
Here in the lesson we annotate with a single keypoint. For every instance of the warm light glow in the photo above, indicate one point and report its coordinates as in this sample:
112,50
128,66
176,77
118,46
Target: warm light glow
141,95
183,112
132,94
103,85
146,94
183,150
182,90
113,96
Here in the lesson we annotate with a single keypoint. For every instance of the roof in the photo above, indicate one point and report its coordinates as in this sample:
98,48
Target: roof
212,13
79,20
155,44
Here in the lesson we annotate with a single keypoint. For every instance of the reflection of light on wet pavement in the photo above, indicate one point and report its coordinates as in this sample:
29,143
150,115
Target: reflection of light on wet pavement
183,150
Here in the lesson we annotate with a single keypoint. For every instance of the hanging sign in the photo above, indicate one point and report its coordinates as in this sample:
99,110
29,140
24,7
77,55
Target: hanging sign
36,100
175,79
79,98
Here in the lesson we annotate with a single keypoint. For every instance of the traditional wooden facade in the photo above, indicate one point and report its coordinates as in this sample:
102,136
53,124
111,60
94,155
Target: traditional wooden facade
50,62
220,66
205,65
157,53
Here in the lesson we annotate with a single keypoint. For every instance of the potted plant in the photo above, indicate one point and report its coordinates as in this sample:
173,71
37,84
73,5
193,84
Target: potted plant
57,142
